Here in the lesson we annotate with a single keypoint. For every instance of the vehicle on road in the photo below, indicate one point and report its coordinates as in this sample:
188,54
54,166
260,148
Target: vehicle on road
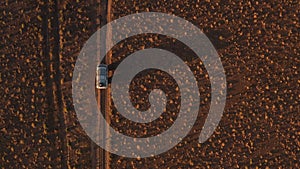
101,77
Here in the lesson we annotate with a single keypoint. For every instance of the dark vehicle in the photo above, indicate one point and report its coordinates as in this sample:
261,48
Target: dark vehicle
101,77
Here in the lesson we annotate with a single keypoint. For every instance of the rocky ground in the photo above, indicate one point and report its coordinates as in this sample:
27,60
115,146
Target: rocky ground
258,43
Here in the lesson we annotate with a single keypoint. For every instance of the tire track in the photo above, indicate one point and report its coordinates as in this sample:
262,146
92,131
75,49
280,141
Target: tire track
51,51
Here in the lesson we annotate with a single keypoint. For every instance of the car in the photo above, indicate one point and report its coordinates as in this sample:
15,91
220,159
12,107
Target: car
101,76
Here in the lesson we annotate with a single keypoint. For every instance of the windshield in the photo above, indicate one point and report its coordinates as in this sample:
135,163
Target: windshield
103,70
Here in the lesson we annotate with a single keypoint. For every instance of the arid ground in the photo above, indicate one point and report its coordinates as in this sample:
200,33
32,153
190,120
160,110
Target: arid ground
257,41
